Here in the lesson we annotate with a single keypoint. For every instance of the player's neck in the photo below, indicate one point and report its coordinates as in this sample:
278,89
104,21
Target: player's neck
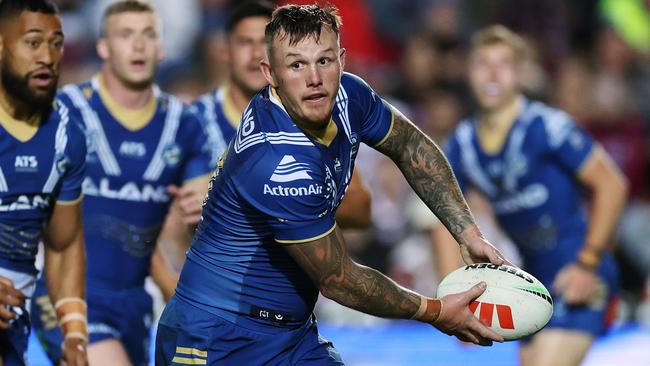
16,108
124,95
502,117
238,97
235,101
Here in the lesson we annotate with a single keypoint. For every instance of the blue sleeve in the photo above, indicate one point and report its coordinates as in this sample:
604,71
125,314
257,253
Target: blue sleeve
567,143
72,163
452,152
199,159
372,113
292,191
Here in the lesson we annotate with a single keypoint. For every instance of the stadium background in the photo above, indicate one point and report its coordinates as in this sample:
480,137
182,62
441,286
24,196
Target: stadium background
589,57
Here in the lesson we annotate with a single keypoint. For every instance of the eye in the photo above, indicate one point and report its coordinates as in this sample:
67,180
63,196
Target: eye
324,61
58,44
296,65
150,34
33,43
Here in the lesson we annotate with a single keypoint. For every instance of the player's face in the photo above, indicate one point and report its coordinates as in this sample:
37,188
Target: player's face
494,75
246,50
32,47
131,47
307,76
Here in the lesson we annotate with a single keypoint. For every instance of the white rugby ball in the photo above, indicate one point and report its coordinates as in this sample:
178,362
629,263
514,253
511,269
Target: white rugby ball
515,304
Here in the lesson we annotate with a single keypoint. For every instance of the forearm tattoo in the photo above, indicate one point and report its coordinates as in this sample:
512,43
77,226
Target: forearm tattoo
353,285
428,172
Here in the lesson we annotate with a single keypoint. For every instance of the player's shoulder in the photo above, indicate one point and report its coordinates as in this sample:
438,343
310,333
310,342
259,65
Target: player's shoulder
353,86
265,121
211,99
76,94
464,131
546,120
69,128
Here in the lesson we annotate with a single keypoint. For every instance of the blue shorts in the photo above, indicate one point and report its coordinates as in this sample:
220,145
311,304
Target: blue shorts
13,341
189,335
123,315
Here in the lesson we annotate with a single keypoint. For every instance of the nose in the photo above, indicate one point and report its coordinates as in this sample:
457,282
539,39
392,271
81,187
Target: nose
46,55
258,51
314,78
138,43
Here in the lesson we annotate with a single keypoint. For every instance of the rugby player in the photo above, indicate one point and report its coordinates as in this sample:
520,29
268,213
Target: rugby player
222,108
140,141
531,161
268,243
41,173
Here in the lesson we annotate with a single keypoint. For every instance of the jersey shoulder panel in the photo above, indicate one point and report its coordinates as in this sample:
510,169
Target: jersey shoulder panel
364,110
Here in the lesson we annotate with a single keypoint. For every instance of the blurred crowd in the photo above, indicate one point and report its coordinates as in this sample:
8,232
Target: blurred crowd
588,57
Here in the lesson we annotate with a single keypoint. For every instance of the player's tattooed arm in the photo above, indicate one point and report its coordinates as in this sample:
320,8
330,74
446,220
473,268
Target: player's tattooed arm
428,172
341,279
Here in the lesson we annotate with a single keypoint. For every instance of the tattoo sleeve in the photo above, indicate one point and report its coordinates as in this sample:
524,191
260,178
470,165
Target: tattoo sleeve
351,284
427,170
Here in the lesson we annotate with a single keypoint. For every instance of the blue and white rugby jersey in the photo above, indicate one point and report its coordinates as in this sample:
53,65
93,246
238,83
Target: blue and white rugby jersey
531,183
34,175
275,186
128,172
221,119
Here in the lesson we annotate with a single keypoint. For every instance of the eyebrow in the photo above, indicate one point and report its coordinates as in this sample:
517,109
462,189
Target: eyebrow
40,31
292,54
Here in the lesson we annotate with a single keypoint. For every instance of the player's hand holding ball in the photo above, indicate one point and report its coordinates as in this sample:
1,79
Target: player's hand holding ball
513,305
456,318
479,250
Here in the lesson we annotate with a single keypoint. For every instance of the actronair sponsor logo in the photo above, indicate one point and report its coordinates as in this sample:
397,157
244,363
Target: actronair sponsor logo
312,189
289,170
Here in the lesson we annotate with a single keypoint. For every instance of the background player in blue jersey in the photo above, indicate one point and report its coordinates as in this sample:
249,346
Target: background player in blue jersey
268,243
222,108
42,155
140,142
530,161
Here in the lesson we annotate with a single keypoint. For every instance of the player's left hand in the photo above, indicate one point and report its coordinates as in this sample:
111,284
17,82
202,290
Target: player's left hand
575,284
189,202
74,352
480,250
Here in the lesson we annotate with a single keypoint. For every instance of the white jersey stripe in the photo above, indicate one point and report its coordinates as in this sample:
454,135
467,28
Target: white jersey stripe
3,182
470,159
211,126
94,127
172,122
61,140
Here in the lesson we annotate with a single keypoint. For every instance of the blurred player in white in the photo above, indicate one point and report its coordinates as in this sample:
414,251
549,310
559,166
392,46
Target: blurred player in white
142,145
531,161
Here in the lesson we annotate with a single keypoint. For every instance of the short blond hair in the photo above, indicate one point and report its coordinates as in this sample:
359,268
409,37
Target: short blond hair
124,6
499,34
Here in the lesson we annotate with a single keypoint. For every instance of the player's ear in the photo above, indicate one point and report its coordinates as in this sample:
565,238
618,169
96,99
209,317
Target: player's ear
342,58
102,48
265,66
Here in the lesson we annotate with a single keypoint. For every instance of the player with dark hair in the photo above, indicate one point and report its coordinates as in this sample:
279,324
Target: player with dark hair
222,108
41,172
140,141
268,243
530,162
